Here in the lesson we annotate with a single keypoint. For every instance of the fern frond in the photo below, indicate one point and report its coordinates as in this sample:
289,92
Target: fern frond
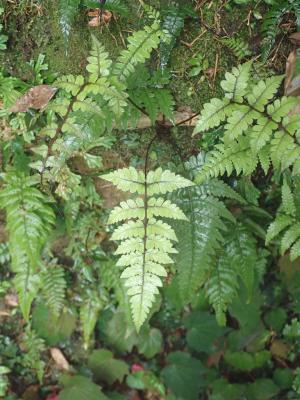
238,46
272,20
257,127
141,44
145,242
29,222
237,157
89,312
200,237
53,288
68,10
241,249
221,287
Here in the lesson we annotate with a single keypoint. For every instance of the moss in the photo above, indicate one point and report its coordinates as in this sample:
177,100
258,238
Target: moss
37,31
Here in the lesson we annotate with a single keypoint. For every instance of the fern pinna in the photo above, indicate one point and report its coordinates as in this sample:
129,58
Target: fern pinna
145,240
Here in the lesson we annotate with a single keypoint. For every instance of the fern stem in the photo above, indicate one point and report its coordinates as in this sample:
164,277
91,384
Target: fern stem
145,221
59,129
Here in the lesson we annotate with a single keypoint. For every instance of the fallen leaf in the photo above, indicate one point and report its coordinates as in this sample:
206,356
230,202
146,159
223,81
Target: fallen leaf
279,349
36,98
292,73
11,300
98,18
214,359
59,359
4,313
295,38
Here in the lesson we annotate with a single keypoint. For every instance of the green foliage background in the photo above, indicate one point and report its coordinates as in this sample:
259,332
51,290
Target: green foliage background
199,298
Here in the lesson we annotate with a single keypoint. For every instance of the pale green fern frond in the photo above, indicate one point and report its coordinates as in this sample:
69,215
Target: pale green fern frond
257,127
146,241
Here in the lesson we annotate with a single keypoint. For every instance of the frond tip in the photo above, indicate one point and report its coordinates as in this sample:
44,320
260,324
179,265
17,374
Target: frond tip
145,240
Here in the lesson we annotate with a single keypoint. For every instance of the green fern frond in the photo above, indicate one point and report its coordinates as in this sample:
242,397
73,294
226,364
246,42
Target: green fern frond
199,238
145,242
29,222
3,38
286,226
141,44
238,46
68,10
241,249
256,127
89,313
54,287
238,157
272,20
221,287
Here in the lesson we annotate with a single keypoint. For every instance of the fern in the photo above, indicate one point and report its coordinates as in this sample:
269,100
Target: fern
33,346
90,106
236,260
286,225
256,127
53,288
238,46
140,46
203,235
272,20
29,222
173,16
89,312
68,10
3,38
146,241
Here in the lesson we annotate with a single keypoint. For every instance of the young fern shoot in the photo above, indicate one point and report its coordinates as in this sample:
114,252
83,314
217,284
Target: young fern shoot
146,241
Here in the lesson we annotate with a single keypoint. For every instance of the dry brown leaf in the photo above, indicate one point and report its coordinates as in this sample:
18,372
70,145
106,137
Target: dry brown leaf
295,38
4,313
279,349
98,18
36,97
11,300
289,71
214,359
59,359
